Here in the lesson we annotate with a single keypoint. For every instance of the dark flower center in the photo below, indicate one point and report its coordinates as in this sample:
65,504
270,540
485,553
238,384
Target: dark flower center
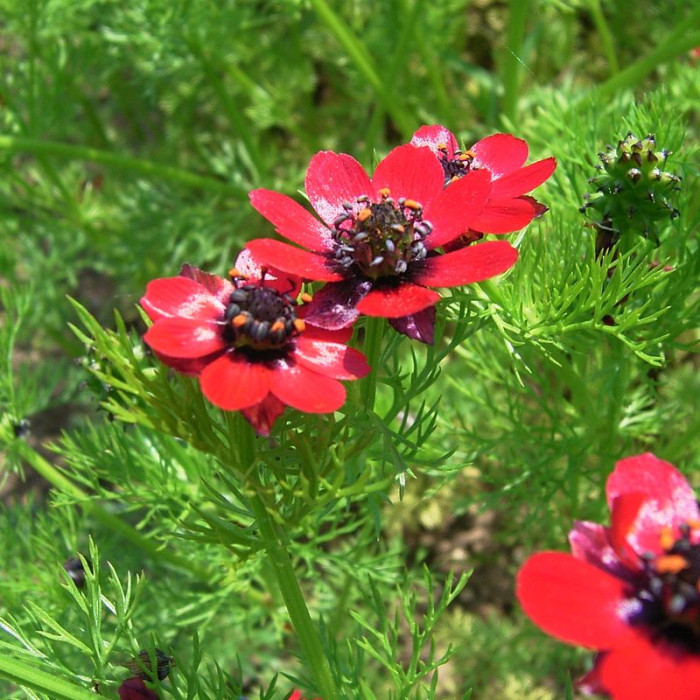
381,239
670,589
260,317
456,166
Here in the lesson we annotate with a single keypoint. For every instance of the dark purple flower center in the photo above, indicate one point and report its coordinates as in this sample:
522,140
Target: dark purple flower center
669,592
455,166
383,238
260,317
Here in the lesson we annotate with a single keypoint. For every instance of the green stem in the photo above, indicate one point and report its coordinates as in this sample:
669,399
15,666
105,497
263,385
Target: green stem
39,147
276,544
675,44
605,35
359,55
65,485
372,347
27,676
518,12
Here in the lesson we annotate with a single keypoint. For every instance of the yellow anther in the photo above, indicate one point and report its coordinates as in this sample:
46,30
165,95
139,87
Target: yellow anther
694,524
670,564
305,297
239,320
412,204
442,146
385,192
364,214
299,325
666,538
469,154
277,326
234,272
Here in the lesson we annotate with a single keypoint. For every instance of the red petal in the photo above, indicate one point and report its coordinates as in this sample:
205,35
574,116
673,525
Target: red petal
284,282
263,415
184,337
410,172
625,510
335,178
572,600
459,204
342,335
525,179
300,388
136,689
180,296
291,220
669,499
232,382
467,265
331,359
504,215
644,669
295,260
590,543
218,286
500,153
434,137
394,302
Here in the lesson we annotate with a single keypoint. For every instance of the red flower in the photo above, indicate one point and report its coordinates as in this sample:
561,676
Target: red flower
136,689
376,245
247,343
296,695
503,156
631,591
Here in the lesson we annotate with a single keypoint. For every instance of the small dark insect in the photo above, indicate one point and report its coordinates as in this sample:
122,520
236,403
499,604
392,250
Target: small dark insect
75,570
143,661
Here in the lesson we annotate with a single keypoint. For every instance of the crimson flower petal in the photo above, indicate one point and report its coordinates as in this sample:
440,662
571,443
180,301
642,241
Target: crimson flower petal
136,689
435,137
500,153
590,543
284,282
180,296
394,302
331,359
342,335
232,382
294,260
572,600
669,499
419,326
625,510
185,338
410,172
525,179
300,388
504,215
218,286
291,220
459,204
335,305
649,669
335,178
263,415
467,265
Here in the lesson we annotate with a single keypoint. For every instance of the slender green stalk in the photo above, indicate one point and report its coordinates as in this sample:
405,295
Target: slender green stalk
372,347
518,13
675,44
27,676
605,35
359,55
146,168
276,544
65,485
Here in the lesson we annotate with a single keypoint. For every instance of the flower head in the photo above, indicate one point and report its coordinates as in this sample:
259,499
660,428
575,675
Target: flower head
376,245
136,689
631,591
246,342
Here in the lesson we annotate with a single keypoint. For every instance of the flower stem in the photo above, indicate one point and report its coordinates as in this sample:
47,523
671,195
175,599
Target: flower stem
66,486
275,543
518,13
28,676
40,147
374,331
